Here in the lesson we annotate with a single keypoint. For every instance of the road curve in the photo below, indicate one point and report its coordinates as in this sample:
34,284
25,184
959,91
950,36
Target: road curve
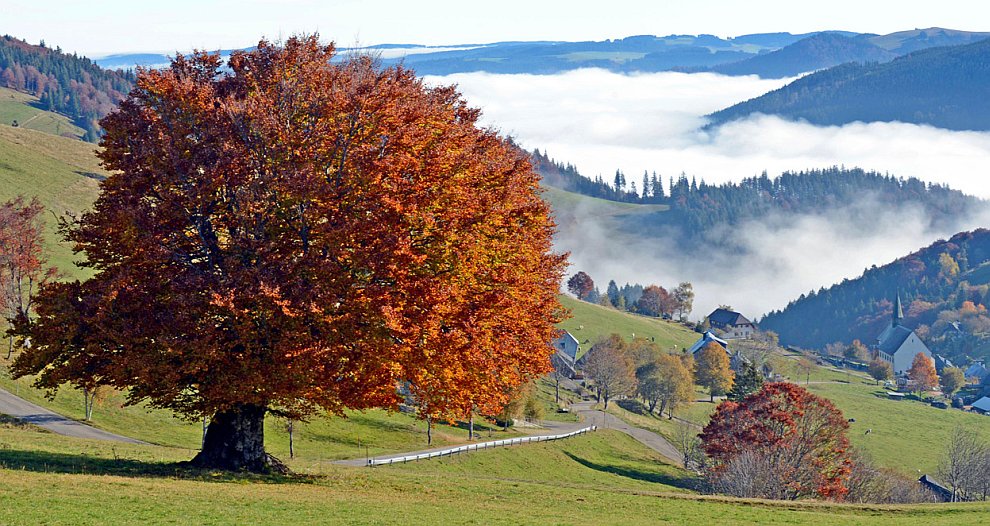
39,416
647,438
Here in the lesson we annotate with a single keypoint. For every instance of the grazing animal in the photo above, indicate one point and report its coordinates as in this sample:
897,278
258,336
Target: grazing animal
868,431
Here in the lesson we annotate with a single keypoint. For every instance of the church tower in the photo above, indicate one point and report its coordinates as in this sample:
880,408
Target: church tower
898,311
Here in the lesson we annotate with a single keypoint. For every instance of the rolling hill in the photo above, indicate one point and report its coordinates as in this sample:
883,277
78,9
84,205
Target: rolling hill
943,87
934,284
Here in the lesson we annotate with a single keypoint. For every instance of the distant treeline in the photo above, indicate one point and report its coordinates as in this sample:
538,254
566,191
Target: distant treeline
696,207
68,84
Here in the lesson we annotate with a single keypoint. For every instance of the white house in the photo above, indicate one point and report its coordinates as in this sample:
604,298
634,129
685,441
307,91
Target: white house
567,345
898,345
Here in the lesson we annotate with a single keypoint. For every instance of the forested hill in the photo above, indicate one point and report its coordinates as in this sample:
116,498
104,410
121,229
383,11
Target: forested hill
944,87
698,207
819,51
943,283
68,84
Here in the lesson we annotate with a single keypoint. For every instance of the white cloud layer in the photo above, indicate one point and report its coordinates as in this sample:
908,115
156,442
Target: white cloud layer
600,121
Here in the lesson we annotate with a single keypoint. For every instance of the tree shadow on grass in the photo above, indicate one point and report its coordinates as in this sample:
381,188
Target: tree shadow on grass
687,481
83,464
634,406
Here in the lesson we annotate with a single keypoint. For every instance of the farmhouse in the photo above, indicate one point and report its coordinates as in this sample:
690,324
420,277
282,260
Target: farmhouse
736,360
898,345
976,372
567,345
731,323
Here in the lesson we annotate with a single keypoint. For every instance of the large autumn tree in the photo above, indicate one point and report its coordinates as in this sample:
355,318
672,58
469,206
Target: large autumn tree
781,442
302,233
713,370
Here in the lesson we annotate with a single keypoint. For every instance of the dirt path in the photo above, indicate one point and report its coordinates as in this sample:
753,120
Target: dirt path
36,415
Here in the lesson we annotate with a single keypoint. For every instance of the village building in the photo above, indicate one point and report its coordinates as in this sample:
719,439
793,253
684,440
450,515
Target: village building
898,345
941,363
732,324
567,345
982,405
736,360
976,372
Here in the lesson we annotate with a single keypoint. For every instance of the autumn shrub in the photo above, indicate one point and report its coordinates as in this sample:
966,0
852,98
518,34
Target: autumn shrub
781,442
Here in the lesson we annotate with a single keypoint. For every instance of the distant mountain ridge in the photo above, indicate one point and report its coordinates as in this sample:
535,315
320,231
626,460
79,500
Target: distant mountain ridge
944,87
639,53
819,51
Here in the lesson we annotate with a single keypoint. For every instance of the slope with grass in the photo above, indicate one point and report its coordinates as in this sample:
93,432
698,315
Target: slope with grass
25,111
62,173
589,322
603,478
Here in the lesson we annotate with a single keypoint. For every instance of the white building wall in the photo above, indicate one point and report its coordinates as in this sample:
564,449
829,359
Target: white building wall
904,356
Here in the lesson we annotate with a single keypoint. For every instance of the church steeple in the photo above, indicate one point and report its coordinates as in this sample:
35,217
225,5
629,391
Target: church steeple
898,311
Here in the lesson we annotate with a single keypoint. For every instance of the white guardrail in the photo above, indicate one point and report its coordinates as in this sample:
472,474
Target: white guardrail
476,447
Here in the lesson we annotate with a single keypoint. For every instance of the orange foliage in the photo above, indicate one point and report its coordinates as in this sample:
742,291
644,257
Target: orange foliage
301,235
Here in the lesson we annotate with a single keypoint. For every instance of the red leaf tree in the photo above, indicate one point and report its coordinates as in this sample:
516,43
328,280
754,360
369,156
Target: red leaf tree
22,262
301,234
581,285
781,442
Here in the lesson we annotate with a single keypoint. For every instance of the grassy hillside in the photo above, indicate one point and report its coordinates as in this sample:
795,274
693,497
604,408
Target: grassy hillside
53,480
591,321
63,173
21,107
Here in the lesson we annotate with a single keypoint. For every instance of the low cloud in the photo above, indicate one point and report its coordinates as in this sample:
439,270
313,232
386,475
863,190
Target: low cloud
601,121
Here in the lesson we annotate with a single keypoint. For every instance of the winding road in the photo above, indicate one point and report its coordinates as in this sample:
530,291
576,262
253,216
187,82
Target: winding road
39,416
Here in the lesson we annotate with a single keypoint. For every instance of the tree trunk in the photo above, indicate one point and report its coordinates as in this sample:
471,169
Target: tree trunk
606,399
235,441
556,393
471,427
291,428
429,431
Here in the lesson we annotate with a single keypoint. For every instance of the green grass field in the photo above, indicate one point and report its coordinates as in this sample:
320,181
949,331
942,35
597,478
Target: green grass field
62,173
17,106
603,478
592,321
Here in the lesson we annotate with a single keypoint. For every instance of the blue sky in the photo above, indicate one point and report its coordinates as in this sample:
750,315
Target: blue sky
100,27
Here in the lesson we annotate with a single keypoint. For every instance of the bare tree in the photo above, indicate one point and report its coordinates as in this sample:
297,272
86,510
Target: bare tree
610,369
689,445
963,465
561,371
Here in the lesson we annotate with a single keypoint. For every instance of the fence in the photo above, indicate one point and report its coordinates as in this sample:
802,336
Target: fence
475,447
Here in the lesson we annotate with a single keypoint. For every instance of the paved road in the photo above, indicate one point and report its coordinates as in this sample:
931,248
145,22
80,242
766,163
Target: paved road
34,414
647,438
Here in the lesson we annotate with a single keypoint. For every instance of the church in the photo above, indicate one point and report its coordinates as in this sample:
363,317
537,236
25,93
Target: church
897,344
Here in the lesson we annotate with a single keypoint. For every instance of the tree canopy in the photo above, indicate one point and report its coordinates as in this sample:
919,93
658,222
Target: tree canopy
781,442
300,234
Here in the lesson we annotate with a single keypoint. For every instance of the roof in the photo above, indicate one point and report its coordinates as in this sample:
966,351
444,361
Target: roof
566,336
977,370
705,339
893,339
941,362
983,404
943,492
727,318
